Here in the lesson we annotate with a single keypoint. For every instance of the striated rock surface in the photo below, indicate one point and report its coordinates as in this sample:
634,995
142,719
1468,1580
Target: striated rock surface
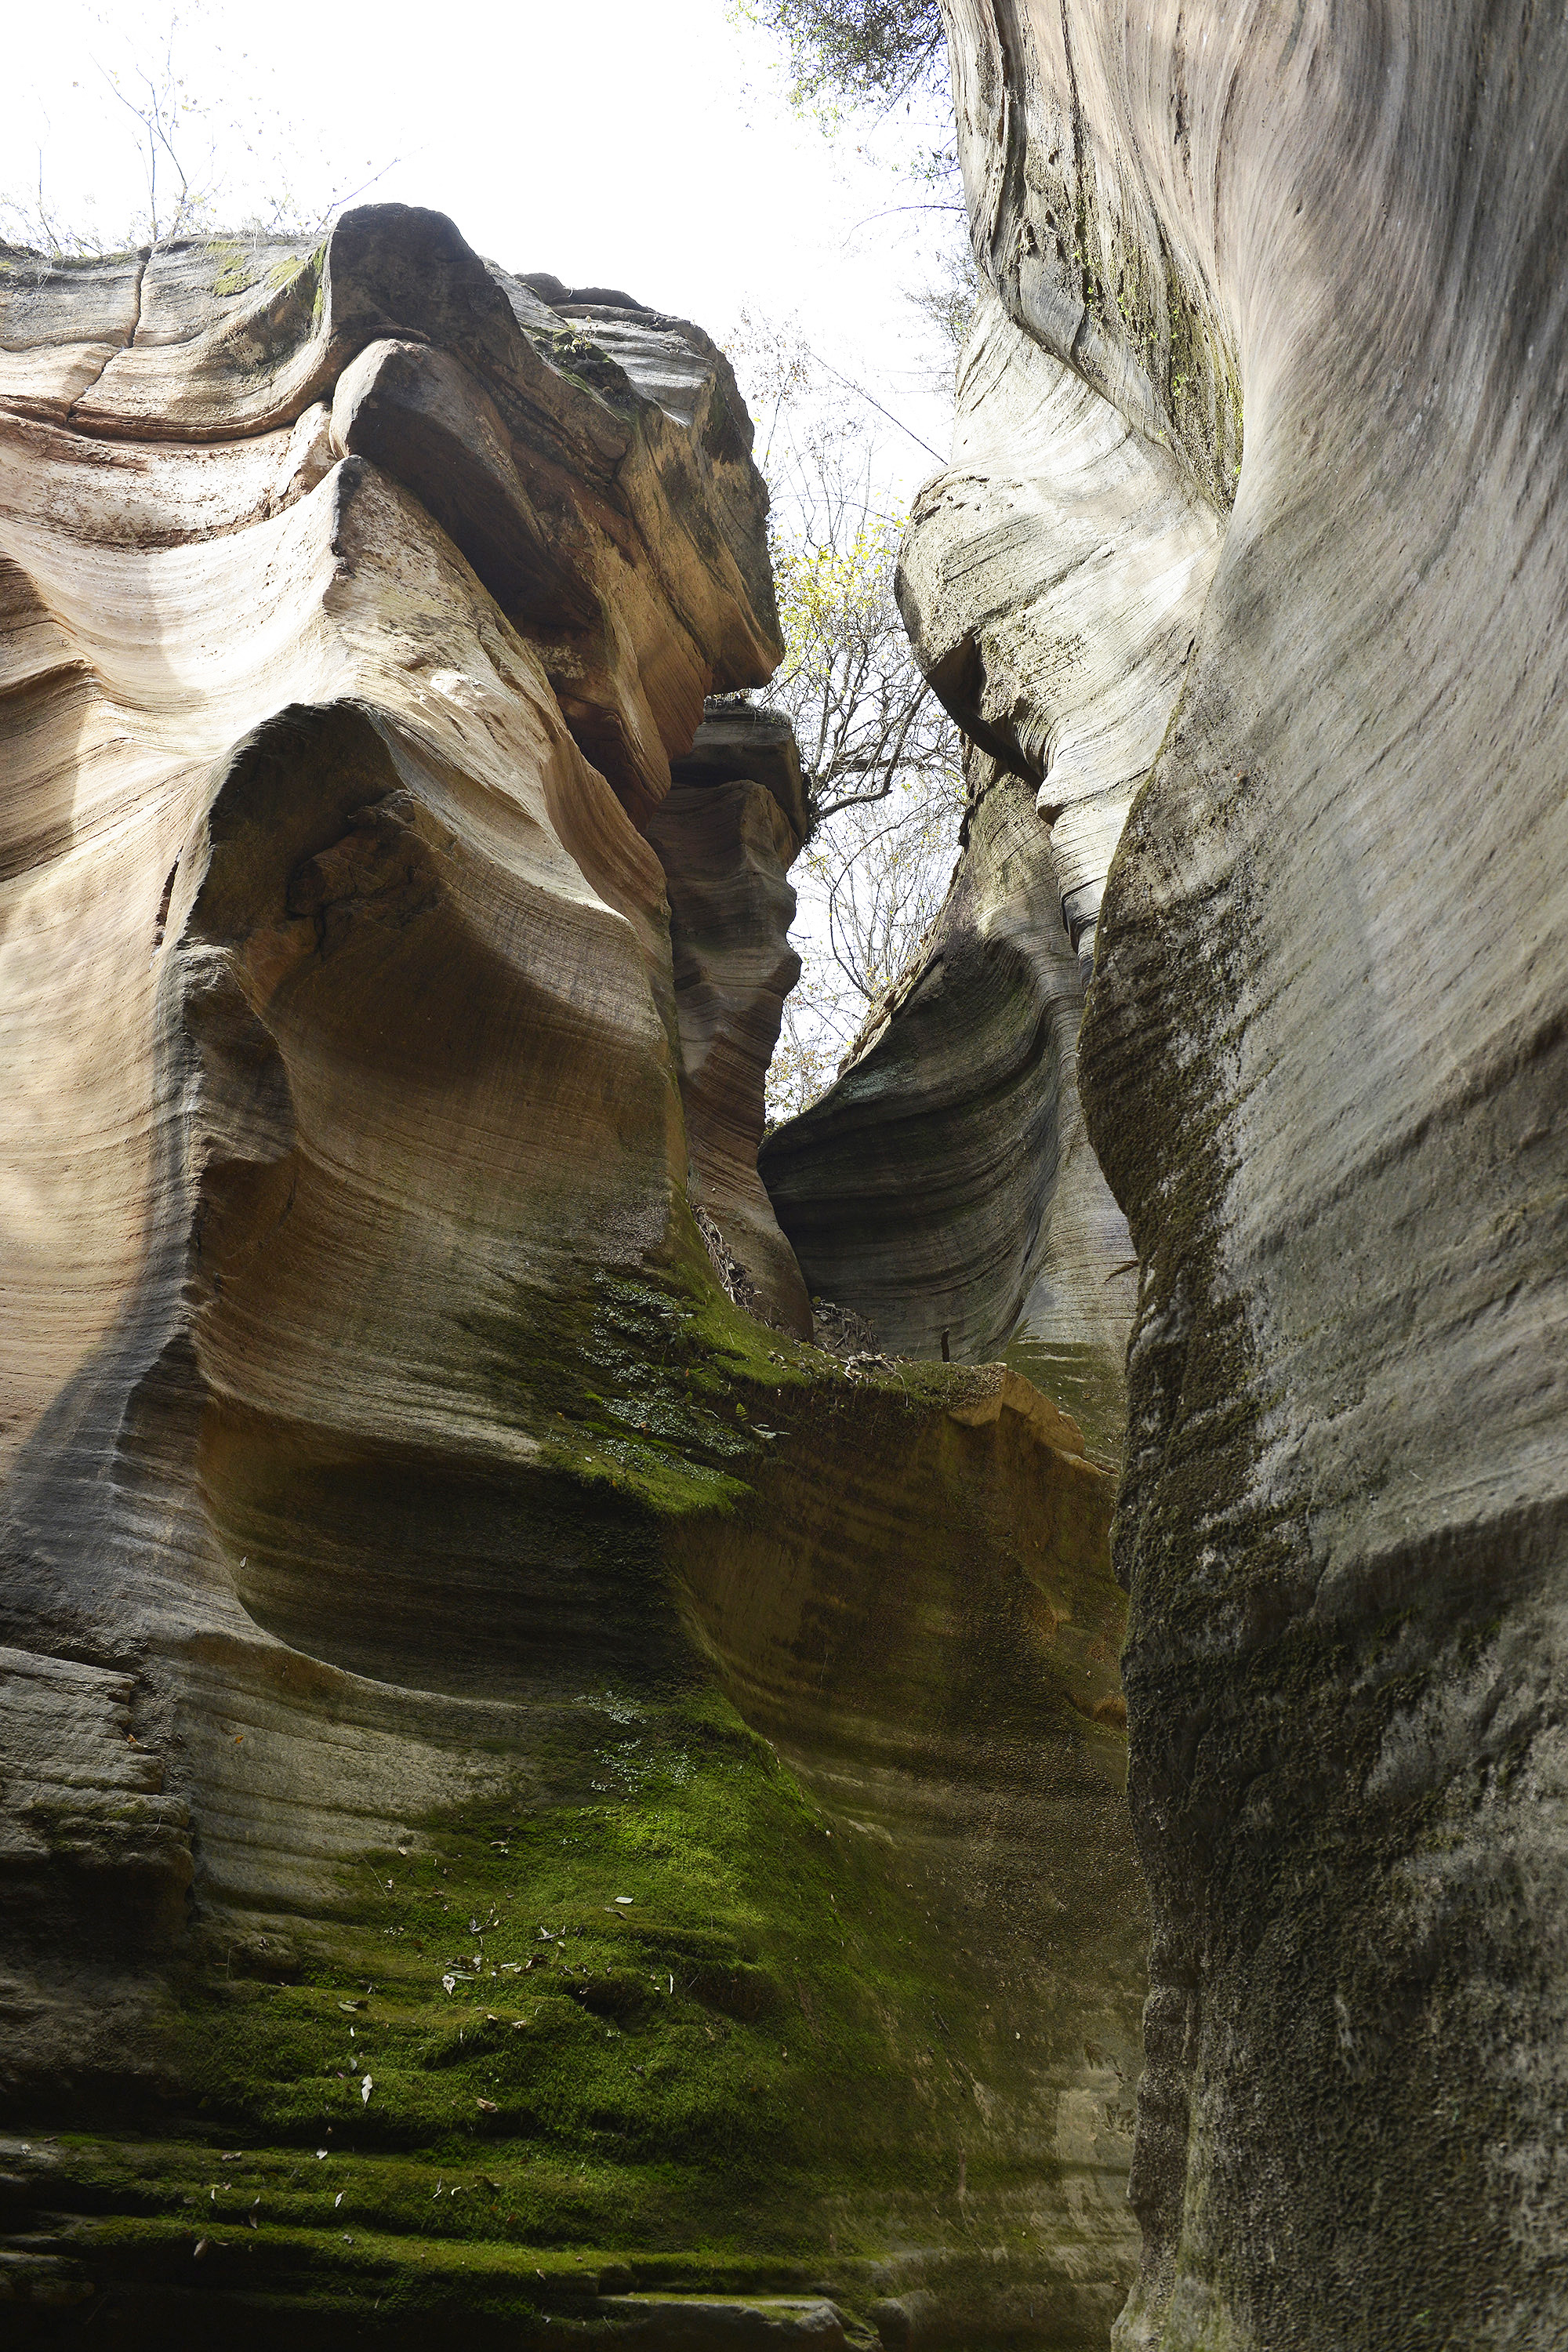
1323,1068
527,1796
727,833
945,1184
1052,580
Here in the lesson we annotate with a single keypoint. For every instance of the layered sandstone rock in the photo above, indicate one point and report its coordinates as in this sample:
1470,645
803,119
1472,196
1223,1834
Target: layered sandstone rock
1324,1072
727,834
1052,580
410,1552
945,1187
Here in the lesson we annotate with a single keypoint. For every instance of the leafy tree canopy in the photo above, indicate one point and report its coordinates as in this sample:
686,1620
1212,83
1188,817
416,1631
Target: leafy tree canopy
856,52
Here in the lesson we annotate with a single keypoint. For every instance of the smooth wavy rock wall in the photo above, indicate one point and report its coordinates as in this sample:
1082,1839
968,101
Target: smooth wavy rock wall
944,1186
1051,580
528,1797
1256,523
727,834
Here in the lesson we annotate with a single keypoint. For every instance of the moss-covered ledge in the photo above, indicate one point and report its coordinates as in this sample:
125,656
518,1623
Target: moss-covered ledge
794,1954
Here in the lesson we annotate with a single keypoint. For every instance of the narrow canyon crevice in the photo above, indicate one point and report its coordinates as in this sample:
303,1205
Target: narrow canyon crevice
543,1784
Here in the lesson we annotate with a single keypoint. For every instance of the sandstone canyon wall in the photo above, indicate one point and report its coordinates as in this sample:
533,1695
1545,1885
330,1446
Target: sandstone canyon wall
529,1795
1052,580
1251,565
945,1187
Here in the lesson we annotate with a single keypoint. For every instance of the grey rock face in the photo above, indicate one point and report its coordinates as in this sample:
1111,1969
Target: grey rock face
1052,581
1324,1070
945,1183
726,844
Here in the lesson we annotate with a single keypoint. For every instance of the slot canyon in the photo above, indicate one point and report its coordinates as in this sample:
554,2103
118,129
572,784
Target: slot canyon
939,1724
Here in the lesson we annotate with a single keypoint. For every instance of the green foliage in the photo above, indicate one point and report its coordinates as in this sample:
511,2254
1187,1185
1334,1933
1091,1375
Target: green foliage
859,51
827,589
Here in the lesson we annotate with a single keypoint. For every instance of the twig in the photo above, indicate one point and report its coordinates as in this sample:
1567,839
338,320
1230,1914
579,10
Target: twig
861,393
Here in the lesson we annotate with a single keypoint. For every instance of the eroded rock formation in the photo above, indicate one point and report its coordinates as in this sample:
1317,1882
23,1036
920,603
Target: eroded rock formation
1324,1070
727,834
1052,580
945,1184
409,1552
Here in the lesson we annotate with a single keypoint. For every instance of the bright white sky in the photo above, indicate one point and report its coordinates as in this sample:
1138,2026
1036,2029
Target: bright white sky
648,147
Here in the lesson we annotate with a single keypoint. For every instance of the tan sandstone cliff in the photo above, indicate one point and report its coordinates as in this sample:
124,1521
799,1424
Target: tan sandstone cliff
530,1797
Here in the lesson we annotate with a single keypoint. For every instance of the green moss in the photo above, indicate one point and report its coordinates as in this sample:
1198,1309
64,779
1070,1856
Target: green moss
698,2065
1087,1381
237,272
654,1387
758,2056
796,2048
